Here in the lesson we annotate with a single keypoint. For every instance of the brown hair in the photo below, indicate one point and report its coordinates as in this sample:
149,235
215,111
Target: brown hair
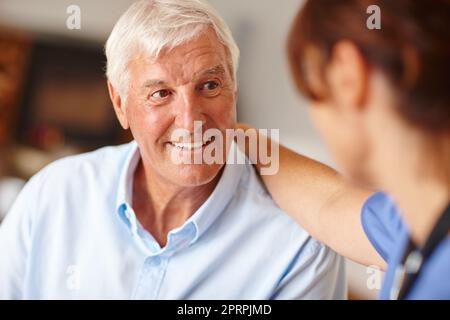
412,49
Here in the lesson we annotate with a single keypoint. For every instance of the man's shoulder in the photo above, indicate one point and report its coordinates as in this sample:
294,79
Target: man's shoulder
253,207
98,157
252,192
66,185
101,163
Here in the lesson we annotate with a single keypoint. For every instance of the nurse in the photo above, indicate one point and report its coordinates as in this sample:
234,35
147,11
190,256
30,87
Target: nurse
381,100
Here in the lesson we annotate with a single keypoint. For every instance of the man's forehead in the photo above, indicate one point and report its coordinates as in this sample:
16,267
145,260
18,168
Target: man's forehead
203,52
179,70
192,63
205,43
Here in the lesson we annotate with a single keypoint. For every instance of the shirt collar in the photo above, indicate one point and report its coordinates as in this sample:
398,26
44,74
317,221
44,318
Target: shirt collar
221,196
125,190
209,210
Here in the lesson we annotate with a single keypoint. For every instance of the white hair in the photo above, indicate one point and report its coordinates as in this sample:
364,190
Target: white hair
149,26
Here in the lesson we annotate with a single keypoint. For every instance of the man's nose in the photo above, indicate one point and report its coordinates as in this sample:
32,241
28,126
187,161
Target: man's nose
188,110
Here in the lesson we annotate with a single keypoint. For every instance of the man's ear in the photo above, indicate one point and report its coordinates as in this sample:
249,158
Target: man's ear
119,108
347,76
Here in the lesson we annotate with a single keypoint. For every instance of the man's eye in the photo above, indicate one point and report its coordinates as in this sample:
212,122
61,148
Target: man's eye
210,85
161,94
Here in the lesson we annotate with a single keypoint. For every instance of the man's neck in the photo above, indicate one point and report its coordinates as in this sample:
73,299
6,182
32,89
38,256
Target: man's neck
161,206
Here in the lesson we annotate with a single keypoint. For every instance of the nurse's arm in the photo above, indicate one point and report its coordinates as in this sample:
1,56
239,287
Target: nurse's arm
323,203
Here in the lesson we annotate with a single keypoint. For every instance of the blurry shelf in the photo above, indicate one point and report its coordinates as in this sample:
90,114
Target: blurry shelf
14,55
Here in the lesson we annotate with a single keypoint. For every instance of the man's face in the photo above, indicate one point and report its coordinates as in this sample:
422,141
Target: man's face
191,82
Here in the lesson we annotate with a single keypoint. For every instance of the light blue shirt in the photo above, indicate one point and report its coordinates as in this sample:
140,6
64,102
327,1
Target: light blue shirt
72,234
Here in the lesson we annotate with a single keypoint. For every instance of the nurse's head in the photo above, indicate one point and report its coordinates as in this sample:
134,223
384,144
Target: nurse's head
380,97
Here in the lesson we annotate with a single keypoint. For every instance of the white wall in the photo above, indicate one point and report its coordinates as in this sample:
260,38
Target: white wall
49,16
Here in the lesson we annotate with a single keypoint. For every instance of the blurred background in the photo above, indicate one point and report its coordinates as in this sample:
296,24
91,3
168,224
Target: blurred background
54,100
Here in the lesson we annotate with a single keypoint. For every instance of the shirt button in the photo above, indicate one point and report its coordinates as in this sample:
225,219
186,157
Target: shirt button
156,261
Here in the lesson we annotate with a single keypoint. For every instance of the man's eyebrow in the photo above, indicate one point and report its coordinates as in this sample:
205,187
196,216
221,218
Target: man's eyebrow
153,83
217,70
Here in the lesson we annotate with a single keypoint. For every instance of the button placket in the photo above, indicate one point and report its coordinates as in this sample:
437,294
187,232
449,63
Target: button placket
151,277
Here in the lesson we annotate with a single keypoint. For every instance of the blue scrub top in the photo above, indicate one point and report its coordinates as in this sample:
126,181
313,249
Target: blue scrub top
389,235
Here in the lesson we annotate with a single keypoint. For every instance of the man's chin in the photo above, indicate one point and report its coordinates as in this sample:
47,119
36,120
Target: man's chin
195,175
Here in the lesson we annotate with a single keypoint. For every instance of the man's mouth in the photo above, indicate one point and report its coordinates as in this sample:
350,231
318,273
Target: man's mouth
188,146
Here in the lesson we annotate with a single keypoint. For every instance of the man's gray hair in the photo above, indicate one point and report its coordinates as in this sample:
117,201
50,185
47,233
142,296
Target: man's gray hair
149,26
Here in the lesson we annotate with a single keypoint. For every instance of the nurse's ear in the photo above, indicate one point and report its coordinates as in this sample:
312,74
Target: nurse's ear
347,77
119,106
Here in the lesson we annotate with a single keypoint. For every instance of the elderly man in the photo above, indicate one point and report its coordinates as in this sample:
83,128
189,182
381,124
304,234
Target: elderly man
128,222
